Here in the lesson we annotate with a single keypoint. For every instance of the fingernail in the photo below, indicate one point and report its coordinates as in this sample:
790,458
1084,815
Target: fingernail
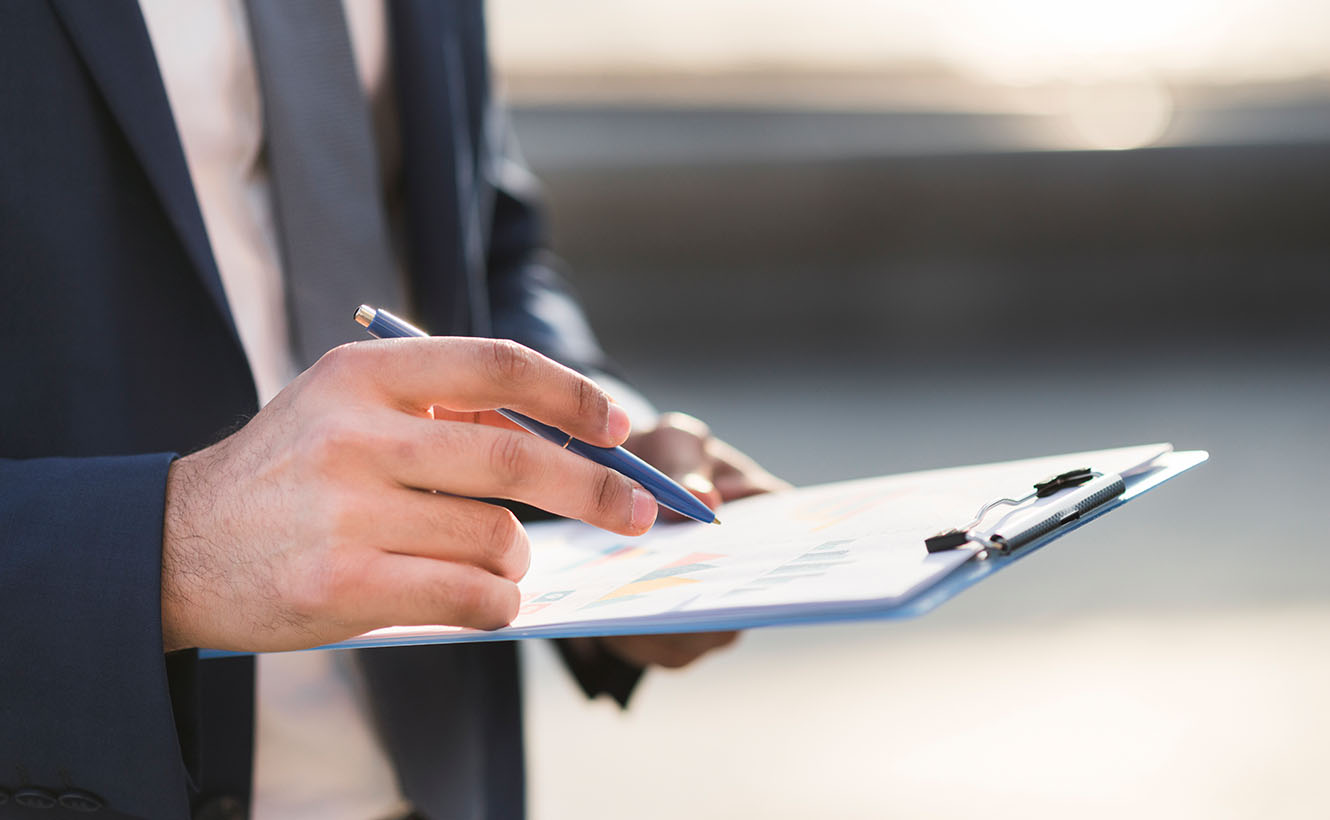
618,424
644,509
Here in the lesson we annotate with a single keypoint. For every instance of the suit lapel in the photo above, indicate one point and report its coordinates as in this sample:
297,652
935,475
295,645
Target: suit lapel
112,39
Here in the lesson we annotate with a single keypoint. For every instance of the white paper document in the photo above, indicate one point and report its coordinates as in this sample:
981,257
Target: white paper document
848,549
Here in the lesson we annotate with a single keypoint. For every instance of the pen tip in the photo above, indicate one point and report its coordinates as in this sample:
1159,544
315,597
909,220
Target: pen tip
364,315
715,521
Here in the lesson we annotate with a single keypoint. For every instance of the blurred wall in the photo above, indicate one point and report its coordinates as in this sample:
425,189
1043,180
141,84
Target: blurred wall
919,252
909,174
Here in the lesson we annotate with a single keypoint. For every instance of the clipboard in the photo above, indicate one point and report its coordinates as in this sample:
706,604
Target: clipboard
839,552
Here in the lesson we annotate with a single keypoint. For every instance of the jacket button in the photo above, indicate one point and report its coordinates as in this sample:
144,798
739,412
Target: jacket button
80,801
34,799
225,807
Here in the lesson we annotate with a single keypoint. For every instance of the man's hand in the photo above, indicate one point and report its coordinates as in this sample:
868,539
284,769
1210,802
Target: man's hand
684,449
345,505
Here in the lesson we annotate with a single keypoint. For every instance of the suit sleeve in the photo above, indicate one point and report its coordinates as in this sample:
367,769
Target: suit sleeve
81,650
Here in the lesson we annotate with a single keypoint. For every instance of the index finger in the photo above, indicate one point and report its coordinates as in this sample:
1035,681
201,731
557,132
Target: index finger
468,375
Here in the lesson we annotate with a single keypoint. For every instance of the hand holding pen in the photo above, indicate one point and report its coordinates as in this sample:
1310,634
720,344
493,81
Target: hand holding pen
309,524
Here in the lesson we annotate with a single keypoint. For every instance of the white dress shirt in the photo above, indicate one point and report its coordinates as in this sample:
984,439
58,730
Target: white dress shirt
317,755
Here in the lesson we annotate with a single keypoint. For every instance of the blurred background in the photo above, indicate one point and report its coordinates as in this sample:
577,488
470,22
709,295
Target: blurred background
865,237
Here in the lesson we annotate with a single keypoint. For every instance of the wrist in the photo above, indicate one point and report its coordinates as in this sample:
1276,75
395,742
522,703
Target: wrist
180,556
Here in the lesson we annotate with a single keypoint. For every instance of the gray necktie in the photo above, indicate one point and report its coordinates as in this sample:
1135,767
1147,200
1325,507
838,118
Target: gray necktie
320,149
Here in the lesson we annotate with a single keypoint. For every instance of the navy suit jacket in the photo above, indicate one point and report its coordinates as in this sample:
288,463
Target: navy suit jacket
118,351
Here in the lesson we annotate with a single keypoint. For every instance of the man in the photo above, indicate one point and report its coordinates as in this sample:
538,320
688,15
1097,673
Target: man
189,218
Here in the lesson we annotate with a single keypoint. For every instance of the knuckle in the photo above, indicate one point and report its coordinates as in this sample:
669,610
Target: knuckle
314,594
332,437
484,601
343,515
506,546
606,492
341,361
470,600
505,603
509,362
591,402
508,459
330,573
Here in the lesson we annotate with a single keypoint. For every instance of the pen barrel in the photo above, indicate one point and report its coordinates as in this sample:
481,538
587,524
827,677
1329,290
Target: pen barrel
385,325
667,491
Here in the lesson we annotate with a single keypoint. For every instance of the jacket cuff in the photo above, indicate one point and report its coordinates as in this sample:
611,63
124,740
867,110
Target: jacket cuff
87,706
599,671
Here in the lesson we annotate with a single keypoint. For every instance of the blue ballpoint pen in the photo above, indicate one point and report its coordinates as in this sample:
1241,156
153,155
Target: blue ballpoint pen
668,492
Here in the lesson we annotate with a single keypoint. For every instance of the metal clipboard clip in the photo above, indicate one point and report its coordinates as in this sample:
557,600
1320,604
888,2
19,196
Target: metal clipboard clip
1070,496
